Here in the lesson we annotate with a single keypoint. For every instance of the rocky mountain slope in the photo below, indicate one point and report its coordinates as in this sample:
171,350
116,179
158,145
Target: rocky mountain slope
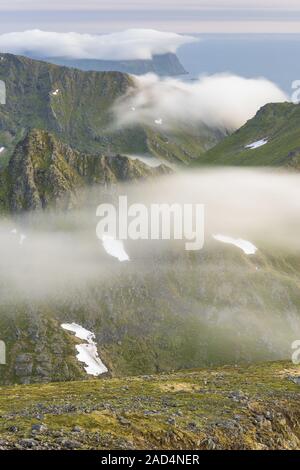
163,65
158,312
271,138
76,107
44,172
162,311
248,407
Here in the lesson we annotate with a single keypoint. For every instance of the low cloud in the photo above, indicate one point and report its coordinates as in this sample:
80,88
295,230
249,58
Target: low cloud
125,45
223,101
61,251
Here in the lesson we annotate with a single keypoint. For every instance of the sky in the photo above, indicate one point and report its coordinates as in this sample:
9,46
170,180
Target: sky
198,16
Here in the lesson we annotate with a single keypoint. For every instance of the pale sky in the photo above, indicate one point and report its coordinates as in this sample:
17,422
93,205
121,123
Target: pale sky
94,16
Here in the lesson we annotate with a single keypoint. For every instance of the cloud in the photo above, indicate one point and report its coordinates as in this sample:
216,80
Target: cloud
62,253
224,101
130,44
95,5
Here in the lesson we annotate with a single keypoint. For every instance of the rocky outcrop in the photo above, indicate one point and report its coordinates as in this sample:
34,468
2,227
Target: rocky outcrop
225,408
45,172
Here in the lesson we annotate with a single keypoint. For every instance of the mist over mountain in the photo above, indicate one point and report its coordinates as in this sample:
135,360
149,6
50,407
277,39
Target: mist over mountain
133,51
101,126
77,107
131,44
203,311
271,138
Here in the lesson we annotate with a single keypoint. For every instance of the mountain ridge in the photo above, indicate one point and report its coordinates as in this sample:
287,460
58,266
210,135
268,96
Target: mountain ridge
44,172
77,107
274,130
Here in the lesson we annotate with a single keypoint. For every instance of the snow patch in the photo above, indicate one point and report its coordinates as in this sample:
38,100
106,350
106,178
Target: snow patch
2,149
22,237
258,143
247,247
87,352
158,121
114,248
55,92
79,331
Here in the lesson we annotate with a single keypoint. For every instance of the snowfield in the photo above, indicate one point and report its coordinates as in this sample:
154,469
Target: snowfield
247,247
257,144
114,248
87,352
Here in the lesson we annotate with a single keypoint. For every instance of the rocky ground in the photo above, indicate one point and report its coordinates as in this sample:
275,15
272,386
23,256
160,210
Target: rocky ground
244,407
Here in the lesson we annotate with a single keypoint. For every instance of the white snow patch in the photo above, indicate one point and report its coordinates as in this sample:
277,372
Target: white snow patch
114,248
79,331
87,352
158,121
22,238
55,92
2,149
247,247
258,143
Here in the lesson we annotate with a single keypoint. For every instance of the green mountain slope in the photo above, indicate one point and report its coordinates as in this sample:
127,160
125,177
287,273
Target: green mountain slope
79,112
155,313
248,407
43,172
278,123
76,107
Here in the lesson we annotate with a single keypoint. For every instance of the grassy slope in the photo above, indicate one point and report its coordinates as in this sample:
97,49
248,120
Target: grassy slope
280,123
45,172
211,308
245,407
80,113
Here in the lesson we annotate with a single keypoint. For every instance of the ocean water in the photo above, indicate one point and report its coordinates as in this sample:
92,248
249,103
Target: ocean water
273,56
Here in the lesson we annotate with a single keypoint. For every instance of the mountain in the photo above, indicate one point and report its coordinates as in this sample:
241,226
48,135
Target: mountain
163,65
72,104
161,311
226,408
165,309
76,107
272,137
44,172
